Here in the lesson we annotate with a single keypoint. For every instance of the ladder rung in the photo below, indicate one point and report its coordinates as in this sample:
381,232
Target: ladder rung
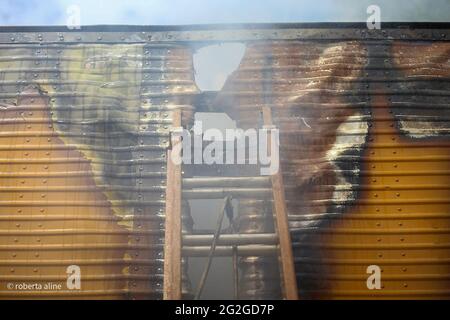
231,239
245,182
227,251
220,193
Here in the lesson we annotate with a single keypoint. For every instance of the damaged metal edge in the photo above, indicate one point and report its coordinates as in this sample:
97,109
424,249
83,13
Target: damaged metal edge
224,32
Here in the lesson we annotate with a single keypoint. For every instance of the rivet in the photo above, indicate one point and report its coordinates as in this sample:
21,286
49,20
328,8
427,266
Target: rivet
397,194
18,225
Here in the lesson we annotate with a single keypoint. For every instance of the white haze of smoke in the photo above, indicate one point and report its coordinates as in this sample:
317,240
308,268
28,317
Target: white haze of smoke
147,12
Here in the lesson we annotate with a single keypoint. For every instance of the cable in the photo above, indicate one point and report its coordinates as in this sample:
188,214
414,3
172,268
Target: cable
226,207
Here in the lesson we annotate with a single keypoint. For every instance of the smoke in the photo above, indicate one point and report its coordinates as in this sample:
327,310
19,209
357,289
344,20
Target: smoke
148,12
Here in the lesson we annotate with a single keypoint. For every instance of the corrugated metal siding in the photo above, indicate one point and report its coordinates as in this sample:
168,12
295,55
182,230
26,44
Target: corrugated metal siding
83,137
365,153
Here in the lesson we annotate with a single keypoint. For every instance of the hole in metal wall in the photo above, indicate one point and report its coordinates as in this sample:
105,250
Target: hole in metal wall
213,64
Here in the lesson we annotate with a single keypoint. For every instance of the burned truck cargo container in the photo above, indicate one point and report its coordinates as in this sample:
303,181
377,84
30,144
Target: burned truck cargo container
90,120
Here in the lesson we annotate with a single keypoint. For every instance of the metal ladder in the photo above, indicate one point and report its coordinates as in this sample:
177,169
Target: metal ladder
176,245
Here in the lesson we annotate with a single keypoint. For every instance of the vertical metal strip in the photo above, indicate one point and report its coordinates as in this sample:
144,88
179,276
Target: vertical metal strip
282,226
172,243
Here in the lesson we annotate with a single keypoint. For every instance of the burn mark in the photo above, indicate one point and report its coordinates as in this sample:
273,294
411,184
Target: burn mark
320,106
420,88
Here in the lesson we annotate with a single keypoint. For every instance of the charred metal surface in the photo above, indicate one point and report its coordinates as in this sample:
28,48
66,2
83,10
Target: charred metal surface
259,277
323,96
113,104
321,110
419,87
202,34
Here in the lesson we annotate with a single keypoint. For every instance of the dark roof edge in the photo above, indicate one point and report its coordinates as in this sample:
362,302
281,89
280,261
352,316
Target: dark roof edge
233,26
